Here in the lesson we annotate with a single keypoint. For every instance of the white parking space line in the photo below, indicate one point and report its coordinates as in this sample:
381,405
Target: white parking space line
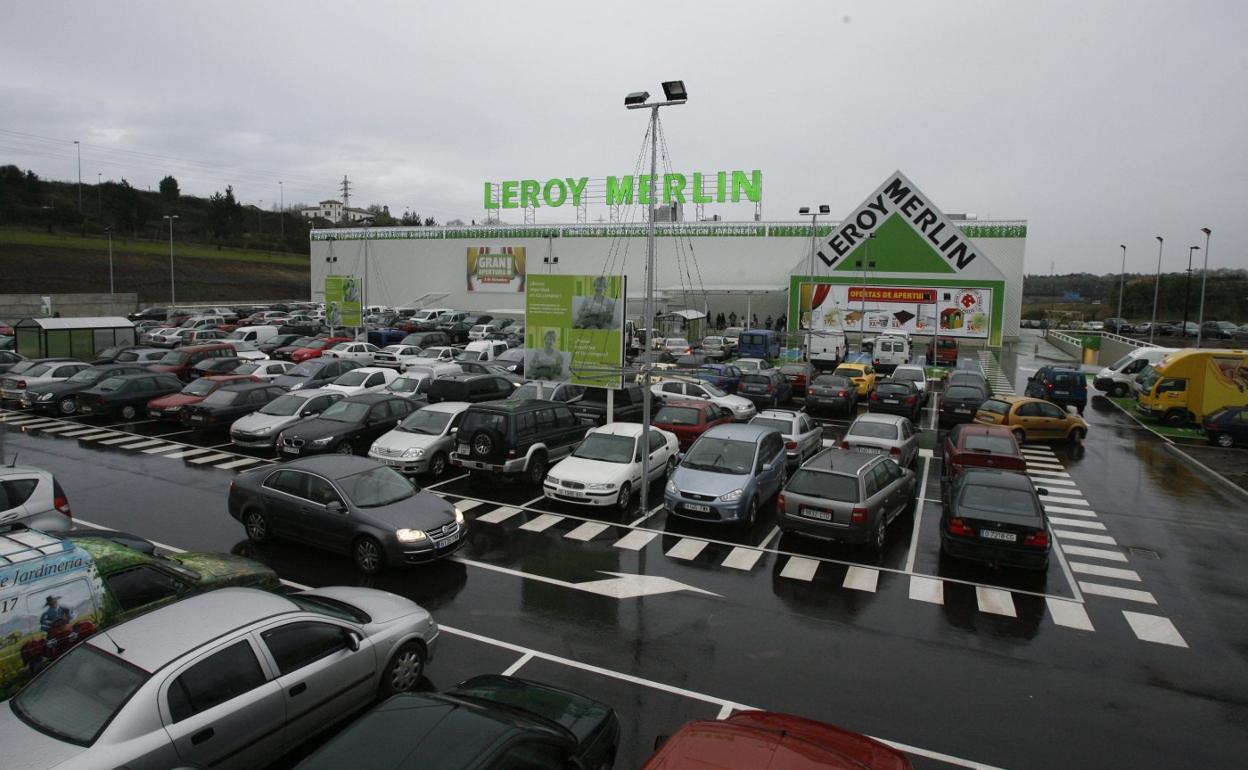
464,505
640,520
1108,572
95,435
1086,537
1069,614
541,523
166,448
923,589
926,453
186,453
1043,473
996,601
533,502
448,481
33,421
775,531
1153,628
861,579
742,558
211,458
498,515
588,531
1094,553
1068,510
1076,523
143,444
239,463
1116,592
635,540
687,548
122,440
514,667
1051,481
799,568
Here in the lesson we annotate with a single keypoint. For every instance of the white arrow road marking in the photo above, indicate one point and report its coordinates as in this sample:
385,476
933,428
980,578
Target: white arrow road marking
621,585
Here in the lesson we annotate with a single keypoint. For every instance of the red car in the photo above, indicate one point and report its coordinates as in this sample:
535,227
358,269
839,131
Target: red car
170,407
796,375
180,361
316,348
975,445
689,419
755,740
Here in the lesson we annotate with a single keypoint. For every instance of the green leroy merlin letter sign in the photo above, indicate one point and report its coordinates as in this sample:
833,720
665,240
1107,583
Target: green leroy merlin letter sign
718,187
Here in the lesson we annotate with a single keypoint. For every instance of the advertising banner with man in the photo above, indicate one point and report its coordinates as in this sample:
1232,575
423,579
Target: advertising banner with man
574,329
342,301
959,312
496,268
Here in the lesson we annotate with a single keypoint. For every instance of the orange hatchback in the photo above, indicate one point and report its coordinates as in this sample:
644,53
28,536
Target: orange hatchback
1032,419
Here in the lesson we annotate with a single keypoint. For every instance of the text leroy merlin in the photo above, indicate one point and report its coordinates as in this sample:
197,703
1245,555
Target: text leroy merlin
724,186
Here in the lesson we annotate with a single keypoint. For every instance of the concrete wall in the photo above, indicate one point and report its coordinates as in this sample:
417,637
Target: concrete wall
17,306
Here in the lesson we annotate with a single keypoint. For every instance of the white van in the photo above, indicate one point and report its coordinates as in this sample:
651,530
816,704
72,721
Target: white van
1117,379
431,314
827,348
483,350
890,351
256,335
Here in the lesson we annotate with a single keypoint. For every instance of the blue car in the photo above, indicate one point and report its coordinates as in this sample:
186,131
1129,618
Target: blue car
726,377
727,475
1060,385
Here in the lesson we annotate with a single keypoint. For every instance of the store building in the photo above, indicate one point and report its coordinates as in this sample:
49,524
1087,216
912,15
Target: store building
894,262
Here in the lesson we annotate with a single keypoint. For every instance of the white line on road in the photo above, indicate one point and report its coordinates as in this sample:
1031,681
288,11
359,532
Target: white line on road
1069,614
1068,510
653,511
1115,592
122,440
447,481
687,548
1045,473
1086,537
240,463
166,448
1095,553
1154,628
498,515
742,558
995,601
211,458
635,540
143,444
542,523
861,579
514,667
1108,572
1076,523
929,590
799,568
587,531
466,504
770,536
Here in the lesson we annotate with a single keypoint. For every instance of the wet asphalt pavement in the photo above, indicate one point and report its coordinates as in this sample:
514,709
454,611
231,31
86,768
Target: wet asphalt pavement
1128,652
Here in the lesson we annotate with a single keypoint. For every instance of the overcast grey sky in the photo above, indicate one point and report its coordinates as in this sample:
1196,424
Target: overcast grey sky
1099,123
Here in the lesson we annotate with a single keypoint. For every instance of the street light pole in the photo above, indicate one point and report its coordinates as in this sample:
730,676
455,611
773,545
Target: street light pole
1122,277
78,146
1152,327
99,197
674,91
1200,317
111,289
281,208
814,212
1187,288
173,295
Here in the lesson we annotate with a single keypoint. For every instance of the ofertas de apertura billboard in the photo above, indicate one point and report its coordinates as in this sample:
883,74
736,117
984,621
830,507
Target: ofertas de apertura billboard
342,301
574,329
959,312
496,269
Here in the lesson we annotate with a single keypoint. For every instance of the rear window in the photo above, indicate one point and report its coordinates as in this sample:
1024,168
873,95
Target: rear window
960,392
475,421
1015,502
1069,381
845,371
783,427
755,379
892,389
832,381
994,406
677,415
829,486
871,429
999,445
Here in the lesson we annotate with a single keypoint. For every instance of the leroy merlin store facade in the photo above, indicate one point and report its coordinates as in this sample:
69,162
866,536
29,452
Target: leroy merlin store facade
895,262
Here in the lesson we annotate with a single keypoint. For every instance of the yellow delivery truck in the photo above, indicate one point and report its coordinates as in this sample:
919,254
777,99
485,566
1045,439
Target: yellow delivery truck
1188,385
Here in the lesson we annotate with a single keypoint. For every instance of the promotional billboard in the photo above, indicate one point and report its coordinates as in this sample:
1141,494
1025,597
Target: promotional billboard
574,329
953,312
342,301
496,268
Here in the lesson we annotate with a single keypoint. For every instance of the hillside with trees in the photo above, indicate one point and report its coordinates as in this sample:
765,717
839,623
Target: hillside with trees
1096,296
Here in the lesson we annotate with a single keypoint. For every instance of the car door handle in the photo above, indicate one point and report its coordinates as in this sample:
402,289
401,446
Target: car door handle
202,736
299,689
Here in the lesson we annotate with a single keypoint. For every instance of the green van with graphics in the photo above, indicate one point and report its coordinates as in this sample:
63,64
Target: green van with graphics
57,591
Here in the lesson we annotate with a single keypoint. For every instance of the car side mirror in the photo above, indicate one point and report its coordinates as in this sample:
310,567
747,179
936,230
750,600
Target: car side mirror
768,467
353,641
334,506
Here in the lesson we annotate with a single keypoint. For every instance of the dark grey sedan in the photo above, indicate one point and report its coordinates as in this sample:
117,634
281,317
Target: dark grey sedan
846,496
349,505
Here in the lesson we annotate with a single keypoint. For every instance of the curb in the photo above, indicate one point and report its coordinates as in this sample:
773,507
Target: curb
1201,466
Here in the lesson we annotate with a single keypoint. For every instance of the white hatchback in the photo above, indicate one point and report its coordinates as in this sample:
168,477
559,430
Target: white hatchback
366,379
605,469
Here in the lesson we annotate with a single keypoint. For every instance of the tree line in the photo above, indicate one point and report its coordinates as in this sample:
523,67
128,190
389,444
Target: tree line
1226,294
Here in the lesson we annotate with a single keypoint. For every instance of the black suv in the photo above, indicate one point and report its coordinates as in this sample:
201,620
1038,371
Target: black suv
1060,385
473,388
516,438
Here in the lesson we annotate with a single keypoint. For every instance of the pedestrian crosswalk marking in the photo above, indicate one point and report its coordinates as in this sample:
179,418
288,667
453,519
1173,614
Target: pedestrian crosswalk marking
861,579
1107,572
1083,523
1094,553
687,548
1154,628
239,463
1087,537
541,523
926,589
1117,592
498,515
210,458
742,558
995,601
635,540
799,568
1069,614
587,531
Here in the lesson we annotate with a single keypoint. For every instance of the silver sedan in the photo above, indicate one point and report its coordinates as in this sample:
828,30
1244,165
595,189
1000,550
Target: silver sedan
886,434
233,678
802,437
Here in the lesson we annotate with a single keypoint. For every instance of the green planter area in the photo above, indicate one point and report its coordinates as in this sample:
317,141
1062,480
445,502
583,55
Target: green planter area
1127,404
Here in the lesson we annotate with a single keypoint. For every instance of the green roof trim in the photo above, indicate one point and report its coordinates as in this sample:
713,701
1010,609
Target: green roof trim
896,248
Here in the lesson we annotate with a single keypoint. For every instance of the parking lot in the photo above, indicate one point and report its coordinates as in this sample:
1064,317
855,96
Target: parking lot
671,620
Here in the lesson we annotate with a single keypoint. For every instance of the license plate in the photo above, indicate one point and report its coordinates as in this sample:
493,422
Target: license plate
85,409
462,449
453,537
290,450
962,411
196,418
891,401
1061,392
698,508
820,515
992,534
572,493
868,449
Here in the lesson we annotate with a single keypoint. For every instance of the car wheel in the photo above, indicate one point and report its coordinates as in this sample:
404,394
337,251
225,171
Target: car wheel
1077,435
625,499
751,515
879,535
68,406
1224,440
369,558
1118,391
437,465
537,469
1175,418
128,412
255,525
344,448
406,668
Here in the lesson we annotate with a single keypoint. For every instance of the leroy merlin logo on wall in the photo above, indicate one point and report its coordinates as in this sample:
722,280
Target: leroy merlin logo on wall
899,222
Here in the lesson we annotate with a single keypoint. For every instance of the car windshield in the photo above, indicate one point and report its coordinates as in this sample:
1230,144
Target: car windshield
345,411
872,429
426,421
720,455
829,486
909,375
606,447
306,369
429,353
75,699
963,392
87,376
341,346
677,342
246,368
472,355
317,344
892,389
376,487
126,356
784,427
850,372
173,358
200,388
221,398
996,407
995,499
356,377
283,406
676,415
1148,378
403,385
712,342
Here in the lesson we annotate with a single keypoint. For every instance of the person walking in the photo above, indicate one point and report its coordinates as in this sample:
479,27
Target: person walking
782,323
732,318
768,322
754,321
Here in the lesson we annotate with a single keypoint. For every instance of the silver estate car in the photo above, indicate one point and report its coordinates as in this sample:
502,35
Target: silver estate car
33,497
233,678
802,437
260,429
423,441
846,496
886,434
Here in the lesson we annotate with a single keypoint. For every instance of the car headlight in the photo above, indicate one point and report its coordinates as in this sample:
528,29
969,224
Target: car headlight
671,486
459,516
732,496
602,485
262,429
554,482
414,452
744,407
46,397
410,535
296,386
322,441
